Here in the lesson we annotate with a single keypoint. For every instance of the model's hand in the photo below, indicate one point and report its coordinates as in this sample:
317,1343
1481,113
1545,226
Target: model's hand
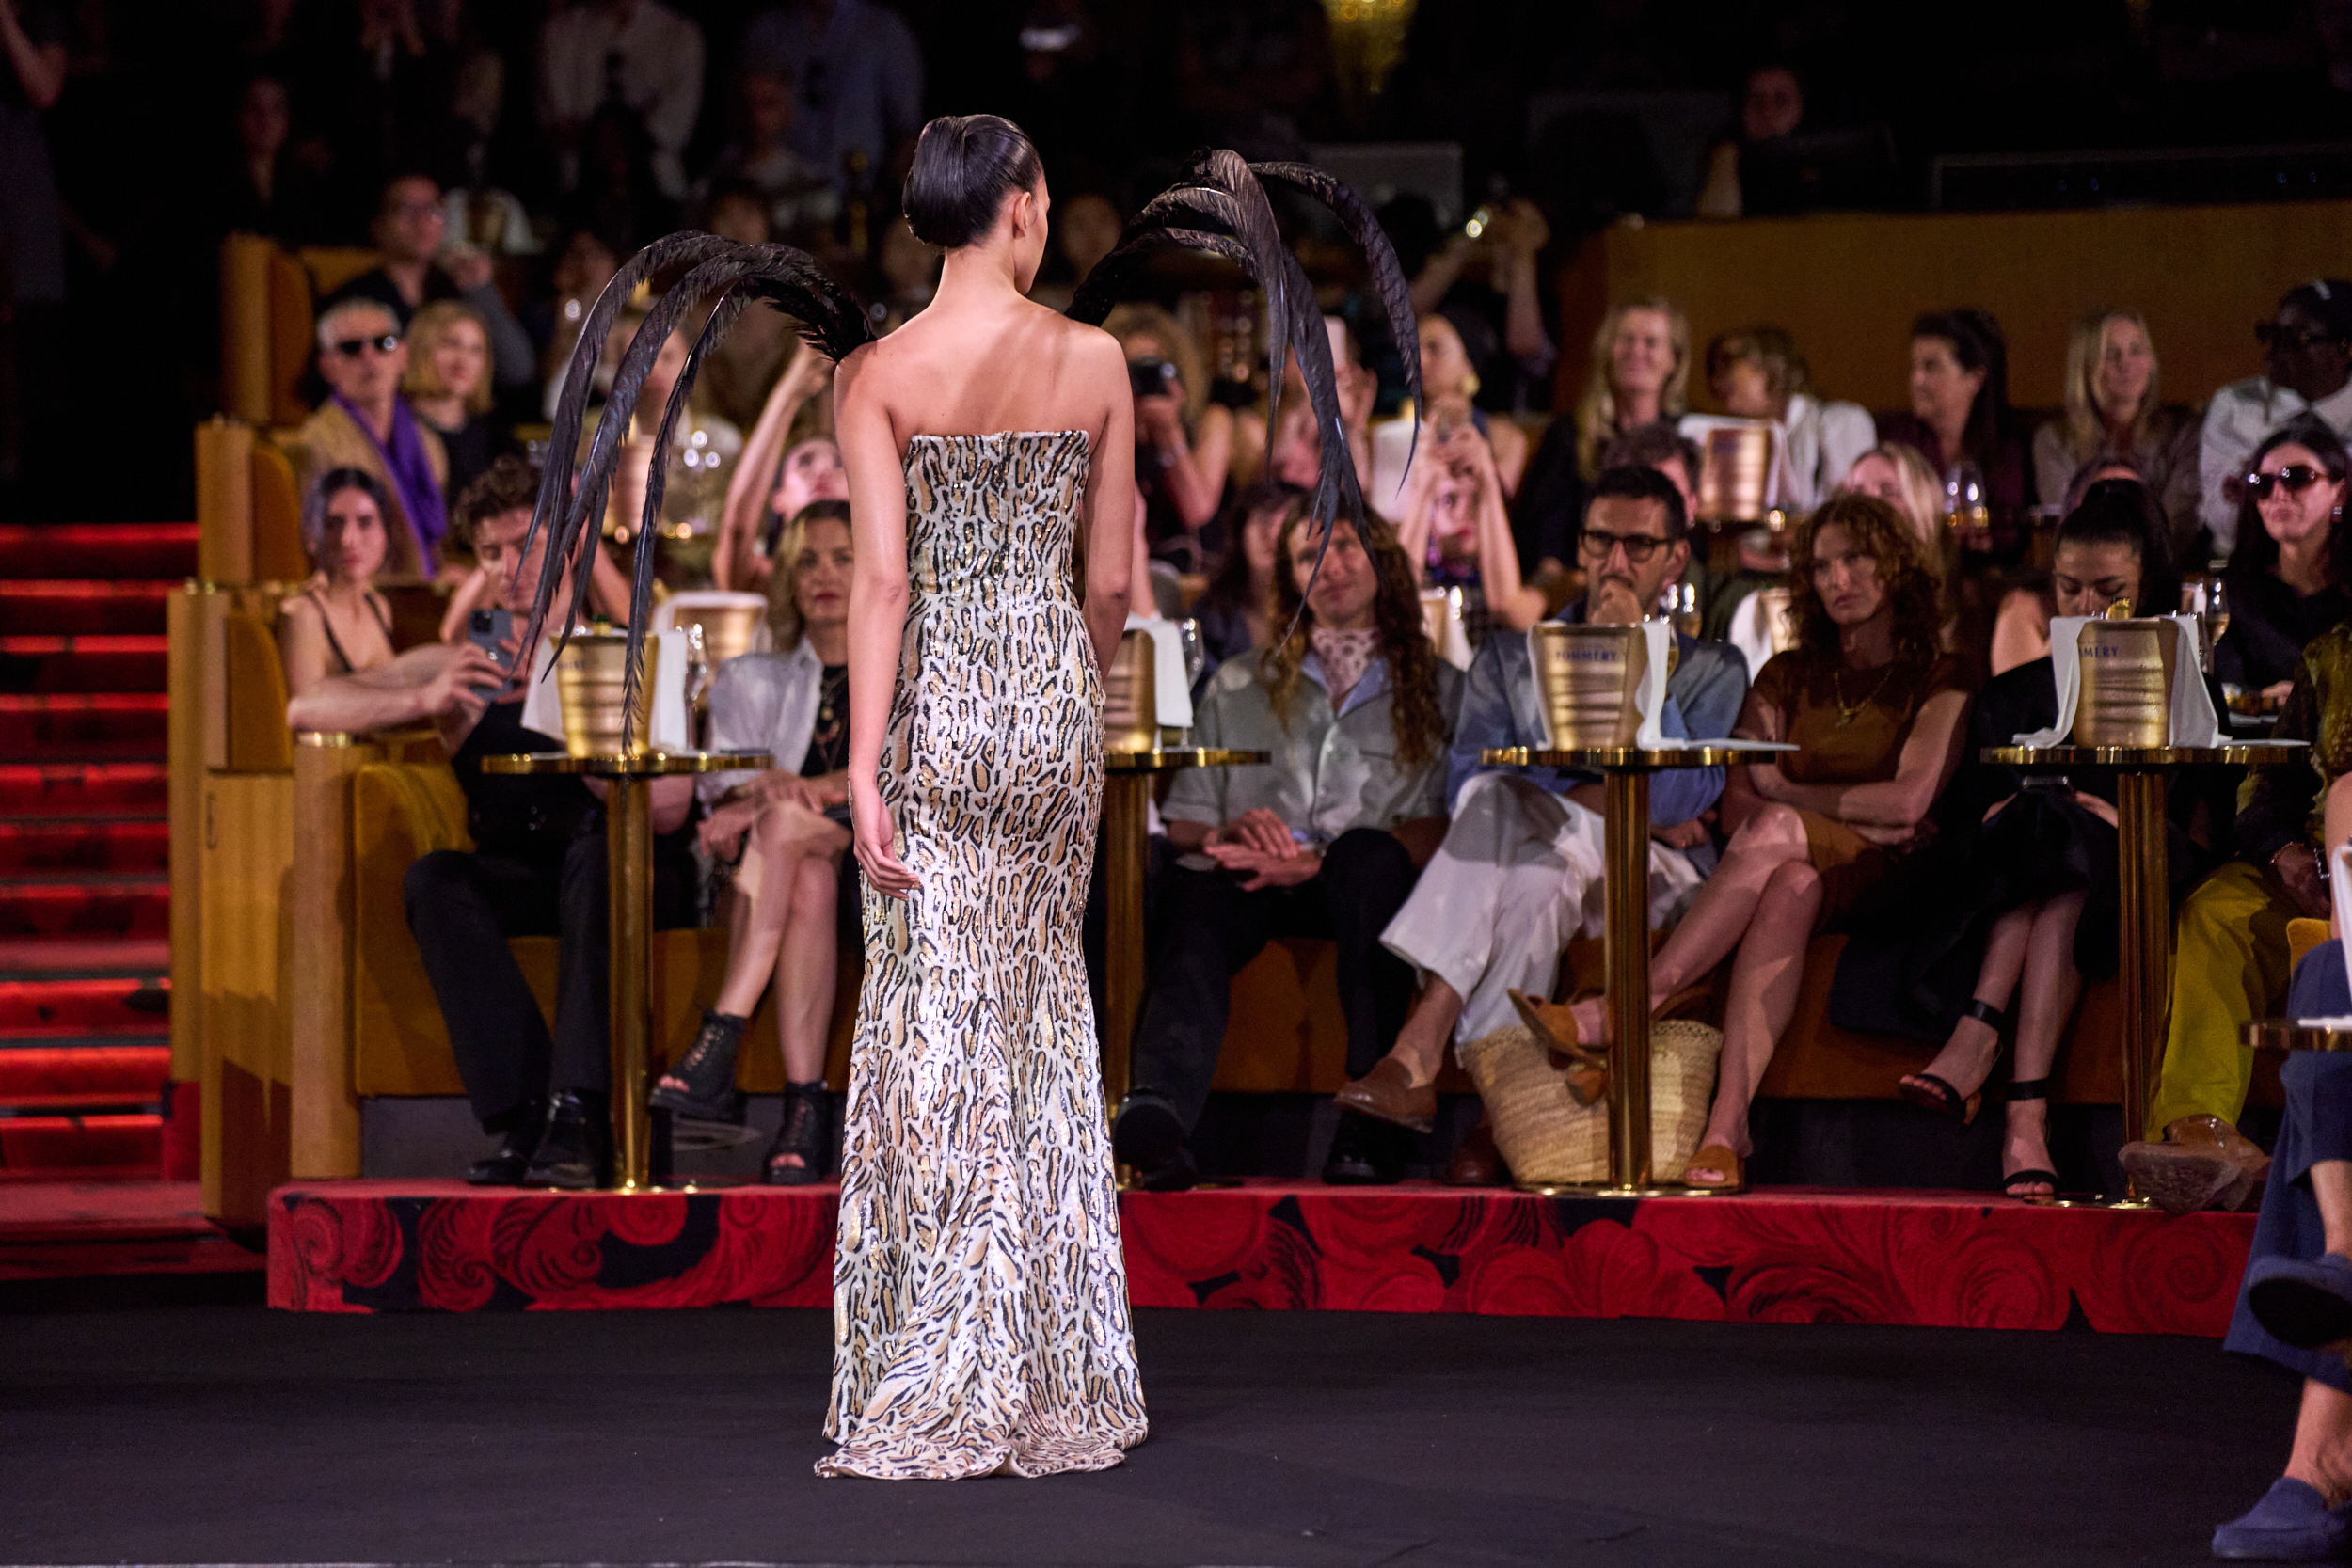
1260,869
870,830
1259,830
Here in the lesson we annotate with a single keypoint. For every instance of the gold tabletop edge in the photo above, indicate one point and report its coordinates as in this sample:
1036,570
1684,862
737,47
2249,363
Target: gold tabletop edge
647,765
1171,758
1621,756
2144,756
2282,1034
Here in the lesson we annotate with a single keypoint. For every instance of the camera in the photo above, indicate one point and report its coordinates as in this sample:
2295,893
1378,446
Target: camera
1152,378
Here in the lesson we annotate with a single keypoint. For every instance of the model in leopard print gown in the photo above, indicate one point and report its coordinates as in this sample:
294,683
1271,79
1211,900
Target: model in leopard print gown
980,1295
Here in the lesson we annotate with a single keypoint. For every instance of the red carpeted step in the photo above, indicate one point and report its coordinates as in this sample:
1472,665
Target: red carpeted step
99,723
25,956
82,789
85,844
84,1077
98,550
86,907
74,608
83,1006
38,1146
84,663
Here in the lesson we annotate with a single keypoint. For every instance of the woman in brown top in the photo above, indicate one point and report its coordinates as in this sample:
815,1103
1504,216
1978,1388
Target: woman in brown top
1876,712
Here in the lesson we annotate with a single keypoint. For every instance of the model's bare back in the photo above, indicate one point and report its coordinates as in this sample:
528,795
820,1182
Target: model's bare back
1012,367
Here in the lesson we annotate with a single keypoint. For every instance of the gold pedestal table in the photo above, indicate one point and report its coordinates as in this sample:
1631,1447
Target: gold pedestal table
2143,876
629,857
2281,1035
1126,827
1625,771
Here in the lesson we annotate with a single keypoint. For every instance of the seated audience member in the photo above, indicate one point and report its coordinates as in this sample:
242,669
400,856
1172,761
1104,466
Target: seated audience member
1758,374
2287,579
537,869
2306,368
2230,945
1454,528
1772,107
1877,713
1232,610
1898,475
1519,872
1641,374
701,460
338,625
448,385
1959,412
793,192
1449,382
2019,884
580,263
1486,289
409,227
1293,452
1356,708
785,829
2115,409
777,474
1660,445
2295,1304
364,424
1184,442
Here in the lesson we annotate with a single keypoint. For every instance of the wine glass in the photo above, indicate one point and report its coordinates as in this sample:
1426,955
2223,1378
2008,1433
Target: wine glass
1967,510
1196,652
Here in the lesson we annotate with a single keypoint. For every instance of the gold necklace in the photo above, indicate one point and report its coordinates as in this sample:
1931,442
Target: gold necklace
1848,711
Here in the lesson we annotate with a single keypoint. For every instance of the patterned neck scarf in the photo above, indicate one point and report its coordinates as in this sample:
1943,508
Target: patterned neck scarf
410,472
1345,657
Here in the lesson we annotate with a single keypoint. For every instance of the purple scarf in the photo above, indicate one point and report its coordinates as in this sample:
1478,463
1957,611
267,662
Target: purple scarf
406,465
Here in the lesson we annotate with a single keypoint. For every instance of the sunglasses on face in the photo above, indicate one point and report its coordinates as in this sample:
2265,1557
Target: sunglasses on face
1638,547
2271,335
2295,478
351,348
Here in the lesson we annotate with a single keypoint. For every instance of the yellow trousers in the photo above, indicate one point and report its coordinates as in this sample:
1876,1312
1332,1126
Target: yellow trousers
2229,968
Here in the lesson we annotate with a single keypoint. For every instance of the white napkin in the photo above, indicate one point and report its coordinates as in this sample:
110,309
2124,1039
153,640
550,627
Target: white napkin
1170,690
543,710
1649,701
1454,645
669,732
2192,722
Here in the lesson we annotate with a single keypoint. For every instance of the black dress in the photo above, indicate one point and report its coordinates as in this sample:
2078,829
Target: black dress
1918,938
2269,624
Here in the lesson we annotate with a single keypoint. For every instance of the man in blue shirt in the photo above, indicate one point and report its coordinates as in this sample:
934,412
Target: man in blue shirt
1519,872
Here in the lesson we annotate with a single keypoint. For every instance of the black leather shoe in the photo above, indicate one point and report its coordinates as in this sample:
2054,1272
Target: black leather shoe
576,1155
1361,1156
706,1075
1149,1139
526,1124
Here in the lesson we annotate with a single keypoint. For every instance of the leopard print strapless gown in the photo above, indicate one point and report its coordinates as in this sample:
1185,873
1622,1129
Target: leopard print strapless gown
980,1295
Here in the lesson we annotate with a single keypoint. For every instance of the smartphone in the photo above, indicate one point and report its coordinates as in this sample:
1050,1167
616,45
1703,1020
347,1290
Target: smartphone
488,630
1152,378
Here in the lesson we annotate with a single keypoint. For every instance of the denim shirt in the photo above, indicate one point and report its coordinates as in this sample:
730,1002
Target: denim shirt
1331,772
1500,707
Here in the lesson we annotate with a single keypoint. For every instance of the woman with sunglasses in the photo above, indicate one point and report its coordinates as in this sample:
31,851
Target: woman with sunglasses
2287,577
2306,368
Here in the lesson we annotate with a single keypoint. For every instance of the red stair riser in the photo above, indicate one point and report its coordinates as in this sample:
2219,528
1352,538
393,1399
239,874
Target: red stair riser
67,846
127,1142
78,789
92,664
127,908
106,721
81,1007
84,1074
98,550
53,608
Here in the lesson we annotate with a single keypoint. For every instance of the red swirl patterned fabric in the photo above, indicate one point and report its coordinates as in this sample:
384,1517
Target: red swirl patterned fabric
981,1316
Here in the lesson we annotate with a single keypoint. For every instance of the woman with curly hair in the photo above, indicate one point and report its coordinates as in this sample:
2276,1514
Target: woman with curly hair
1876,712
1356,708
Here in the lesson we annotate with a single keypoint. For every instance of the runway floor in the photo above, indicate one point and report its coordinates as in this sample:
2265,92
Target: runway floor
218,1434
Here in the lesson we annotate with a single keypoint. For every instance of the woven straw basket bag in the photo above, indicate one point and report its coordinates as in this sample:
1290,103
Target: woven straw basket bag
1547,1136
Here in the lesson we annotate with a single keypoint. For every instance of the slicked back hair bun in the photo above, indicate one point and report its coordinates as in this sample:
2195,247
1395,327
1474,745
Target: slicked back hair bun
964,167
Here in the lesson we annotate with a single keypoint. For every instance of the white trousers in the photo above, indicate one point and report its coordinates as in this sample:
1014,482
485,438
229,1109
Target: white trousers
1519,874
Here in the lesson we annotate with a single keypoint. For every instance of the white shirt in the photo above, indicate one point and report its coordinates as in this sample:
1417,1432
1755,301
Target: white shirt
2242,413
661,59
1824,439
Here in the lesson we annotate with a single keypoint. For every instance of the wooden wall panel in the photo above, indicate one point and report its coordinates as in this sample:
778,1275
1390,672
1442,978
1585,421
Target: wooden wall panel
244,976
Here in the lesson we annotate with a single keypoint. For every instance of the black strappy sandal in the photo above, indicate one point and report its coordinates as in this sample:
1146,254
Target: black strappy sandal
707,1071
2033,1088
807,1132
1930,1093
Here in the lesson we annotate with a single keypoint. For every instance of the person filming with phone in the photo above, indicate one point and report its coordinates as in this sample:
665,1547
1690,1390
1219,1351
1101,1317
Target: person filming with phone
537,867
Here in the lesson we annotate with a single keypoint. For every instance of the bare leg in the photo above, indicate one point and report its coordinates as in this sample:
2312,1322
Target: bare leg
1967,1060
2322,1458
1764,981
805,966
1721,914
2052,986
1420,1044
755,925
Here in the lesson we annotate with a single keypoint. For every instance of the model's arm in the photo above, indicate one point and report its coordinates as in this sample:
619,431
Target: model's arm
1109,503
878,608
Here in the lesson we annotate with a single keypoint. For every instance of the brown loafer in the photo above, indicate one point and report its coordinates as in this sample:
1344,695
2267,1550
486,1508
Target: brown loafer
1386,1094
2203,1163
1477,1162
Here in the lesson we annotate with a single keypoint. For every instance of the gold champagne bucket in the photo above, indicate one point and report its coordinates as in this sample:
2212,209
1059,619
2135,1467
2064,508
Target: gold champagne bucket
1734,473
590,676
1131,711
2127,670
730,621
1589,679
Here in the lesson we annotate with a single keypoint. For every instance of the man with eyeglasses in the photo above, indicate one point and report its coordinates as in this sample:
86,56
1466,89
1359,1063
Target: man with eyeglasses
2308,346
363,424
410,225
1519,871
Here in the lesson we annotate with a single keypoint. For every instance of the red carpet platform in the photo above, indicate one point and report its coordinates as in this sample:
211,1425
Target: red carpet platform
1785,1255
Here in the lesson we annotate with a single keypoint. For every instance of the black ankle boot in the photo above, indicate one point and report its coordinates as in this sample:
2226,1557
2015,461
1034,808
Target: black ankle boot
807,1132
707,1071
1150,1137
576,1155
1363,1154
525,1125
